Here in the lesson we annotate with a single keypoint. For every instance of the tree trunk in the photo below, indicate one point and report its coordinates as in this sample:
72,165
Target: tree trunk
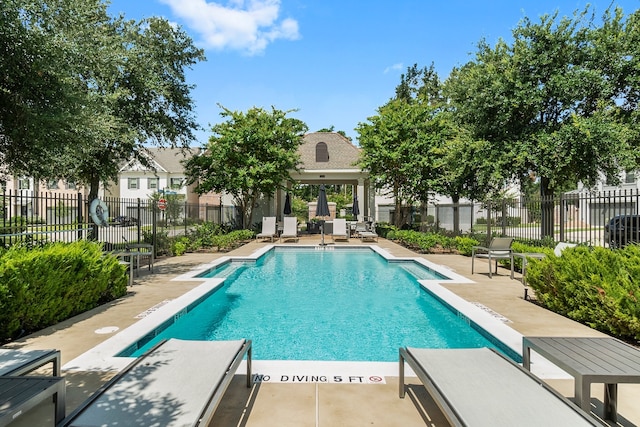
546,206
398,217
94,186
456,214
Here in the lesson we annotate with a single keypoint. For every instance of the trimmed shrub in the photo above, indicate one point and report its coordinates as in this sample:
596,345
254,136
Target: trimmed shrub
465,244
594,286
41,287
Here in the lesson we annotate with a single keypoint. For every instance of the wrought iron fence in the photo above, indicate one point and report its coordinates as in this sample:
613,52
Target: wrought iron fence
28,216
572,217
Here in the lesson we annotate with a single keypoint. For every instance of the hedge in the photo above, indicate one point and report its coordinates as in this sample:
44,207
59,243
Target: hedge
43,286
595,286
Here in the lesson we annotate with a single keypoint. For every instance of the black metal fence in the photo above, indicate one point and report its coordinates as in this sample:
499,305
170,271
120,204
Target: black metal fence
573,217
26,216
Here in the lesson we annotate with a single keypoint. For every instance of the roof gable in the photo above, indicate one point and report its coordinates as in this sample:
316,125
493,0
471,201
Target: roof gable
342,154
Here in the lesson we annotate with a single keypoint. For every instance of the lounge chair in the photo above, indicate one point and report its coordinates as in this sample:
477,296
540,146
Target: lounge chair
340,229
481,387
290,230
177,383
499,248
268,228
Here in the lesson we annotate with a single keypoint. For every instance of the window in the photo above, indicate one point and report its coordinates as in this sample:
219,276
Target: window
3,185
152,183
629,177
322,153
176,183
133,183
52,185
70,185
23,184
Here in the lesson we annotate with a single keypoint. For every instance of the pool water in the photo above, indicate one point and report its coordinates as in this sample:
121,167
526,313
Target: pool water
305,304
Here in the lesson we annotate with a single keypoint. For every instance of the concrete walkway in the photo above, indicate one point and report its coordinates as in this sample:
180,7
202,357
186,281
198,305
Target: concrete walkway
308,404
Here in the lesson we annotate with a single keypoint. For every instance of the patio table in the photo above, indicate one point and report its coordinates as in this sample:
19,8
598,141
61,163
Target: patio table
589,360
20,394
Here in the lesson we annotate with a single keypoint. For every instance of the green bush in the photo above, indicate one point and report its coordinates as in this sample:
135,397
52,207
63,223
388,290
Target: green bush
594,286
41,287
465,244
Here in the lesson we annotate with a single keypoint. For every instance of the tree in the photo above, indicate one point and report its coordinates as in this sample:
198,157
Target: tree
547,103
89,90
248,156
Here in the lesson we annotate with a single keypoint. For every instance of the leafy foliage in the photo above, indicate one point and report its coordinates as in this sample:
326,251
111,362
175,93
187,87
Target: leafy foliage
248,156
595,286
43,286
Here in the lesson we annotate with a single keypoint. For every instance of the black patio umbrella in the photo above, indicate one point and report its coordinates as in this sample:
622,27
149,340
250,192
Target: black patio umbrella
287,205
322,208
355,210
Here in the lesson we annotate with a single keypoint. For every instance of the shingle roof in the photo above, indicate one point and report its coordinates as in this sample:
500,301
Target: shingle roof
169,158
342,153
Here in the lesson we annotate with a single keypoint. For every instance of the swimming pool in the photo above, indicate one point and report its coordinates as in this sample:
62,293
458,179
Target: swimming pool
300,303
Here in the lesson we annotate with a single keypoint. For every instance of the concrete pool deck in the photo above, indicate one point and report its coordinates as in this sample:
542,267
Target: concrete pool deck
308,404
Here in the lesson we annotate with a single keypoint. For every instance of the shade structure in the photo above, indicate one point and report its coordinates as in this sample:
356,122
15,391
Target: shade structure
355,209
287,205
322,207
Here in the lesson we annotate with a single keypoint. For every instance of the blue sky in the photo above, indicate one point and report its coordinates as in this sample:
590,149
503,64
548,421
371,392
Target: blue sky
335,61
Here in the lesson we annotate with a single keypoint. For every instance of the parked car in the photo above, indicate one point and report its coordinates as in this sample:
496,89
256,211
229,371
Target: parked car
622,230
124,221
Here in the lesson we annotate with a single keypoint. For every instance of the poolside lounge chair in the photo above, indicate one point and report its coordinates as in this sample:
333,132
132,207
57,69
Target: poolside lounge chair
481,387
340,229
177,383
268,228
499,248
290,230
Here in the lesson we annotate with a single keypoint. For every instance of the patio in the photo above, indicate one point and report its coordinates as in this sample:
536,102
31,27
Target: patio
308,404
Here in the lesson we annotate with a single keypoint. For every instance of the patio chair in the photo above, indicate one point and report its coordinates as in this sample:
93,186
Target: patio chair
340,229
290,230
177,383
499,248
481,387
268,228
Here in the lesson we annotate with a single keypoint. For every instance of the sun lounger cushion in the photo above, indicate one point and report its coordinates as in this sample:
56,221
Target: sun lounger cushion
173,385
480,387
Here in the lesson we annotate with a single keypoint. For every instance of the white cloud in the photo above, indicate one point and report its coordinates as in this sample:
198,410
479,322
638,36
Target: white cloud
394,67
242,25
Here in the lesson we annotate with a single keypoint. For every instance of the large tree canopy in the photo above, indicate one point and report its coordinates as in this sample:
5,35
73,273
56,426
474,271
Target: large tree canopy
249,156
549,102
89,89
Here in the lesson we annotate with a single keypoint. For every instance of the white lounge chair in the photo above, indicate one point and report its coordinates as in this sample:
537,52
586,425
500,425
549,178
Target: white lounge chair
499,248
480,387
177,383
290,230
340,229
268,228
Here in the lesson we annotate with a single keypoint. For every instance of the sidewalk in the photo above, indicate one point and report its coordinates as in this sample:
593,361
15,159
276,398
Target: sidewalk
307,404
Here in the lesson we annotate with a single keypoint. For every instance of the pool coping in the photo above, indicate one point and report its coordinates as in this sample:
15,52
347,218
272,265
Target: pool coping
102,357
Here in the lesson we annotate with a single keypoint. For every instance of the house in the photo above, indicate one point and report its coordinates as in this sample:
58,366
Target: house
164,178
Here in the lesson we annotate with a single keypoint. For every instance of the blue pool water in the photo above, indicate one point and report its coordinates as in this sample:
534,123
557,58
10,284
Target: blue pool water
305,304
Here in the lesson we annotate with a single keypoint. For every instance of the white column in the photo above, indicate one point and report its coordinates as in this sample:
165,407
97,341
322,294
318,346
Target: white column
361,199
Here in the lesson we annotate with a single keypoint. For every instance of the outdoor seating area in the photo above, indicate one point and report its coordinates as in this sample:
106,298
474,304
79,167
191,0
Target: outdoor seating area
467,380
499,248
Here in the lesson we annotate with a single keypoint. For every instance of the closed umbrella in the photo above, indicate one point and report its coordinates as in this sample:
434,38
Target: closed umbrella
355,209
322,208
287,205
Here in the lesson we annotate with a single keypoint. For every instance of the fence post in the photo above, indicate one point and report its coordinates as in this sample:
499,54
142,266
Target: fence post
563,216
489,219
504,216
79,215
139,219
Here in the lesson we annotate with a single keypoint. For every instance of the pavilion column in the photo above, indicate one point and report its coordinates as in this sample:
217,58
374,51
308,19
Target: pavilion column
362,201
